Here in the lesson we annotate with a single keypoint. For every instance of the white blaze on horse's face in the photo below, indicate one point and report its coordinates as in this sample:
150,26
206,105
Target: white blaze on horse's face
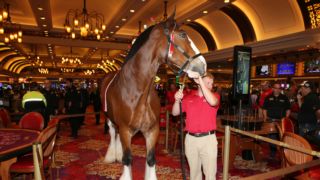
196,50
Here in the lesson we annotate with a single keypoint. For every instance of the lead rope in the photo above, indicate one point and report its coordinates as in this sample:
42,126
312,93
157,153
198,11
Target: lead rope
182,159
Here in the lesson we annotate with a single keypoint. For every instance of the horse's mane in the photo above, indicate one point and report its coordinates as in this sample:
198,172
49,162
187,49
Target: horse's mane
141,39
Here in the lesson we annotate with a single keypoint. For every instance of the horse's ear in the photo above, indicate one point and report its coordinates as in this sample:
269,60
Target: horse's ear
170,20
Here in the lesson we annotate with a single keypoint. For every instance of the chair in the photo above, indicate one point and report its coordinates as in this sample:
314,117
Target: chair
37,159
32,120
6,119
294,157
287,125
25,164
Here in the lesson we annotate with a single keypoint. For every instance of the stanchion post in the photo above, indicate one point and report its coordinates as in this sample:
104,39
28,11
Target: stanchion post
167,130
226,153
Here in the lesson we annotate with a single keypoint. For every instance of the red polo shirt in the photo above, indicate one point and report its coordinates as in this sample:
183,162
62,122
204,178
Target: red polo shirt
201,117
263,96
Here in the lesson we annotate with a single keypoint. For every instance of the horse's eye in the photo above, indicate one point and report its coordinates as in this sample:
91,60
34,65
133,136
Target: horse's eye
183,35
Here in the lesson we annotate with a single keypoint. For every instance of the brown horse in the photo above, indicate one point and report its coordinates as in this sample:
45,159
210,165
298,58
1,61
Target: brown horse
129,96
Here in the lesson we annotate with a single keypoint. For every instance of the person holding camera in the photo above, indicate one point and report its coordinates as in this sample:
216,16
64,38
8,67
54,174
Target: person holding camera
201,108
309,108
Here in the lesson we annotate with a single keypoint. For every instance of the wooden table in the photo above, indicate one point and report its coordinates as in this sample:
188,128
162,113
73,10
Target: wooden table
13,143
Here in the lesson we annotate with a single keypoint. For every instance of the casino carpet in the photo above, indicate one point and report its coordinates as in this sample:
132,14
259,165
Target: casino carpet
82,158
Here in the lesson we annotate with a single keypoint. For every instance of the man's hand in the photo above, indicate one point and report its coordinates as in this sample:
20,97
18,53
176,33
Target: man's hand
175,108
179,95
194,75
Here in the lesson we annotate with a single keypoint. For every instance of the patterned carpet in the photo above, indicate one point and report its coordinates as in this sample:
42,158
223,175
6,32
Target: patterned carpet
82,158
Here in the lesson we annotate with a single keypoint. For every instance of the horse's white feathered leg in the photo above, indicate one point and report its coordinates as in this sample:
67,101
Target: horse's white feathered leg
126,174
119,152
110,156
150,172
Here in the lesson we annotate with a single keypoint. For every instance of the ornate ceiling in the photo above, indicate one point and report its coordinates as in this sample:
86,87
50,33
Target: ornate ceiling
268,26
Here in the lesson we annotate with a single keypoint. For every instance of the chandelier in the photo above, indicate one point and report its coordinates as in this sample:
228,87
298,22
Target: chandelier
67,70
107,65
88,72
11,31
37,62
88,24
71,59
34,59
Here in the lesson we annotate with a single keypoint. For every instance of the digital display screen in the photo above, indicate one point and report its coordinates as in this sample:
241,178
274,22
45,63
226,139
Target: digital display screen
241,72
286,68
263,70
312,66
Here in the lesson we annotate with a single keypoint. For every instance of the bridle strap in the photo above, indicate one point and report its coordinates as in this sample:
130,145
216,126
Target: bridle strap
183,52
187,63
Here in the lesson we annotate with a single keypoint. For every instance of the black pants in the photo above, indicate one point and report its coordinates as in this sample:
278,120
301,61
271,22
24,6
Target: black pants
273,148
75,122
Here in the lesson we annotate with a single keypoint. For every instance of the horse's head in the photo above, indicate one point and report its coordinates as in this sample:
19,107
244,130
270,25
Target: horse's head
181,53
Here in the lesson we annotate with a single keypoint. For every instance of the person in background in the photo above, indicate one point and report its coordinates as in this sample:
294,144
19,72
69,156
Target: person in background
170,96
201,111
34,100
309,105
74,106
52,101
85,100
275,107
95,100
266,91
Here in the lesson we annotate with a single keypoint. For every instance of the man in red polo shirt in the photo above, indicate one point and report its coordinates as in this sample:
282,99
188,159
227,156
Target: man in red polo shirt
266,91
201,109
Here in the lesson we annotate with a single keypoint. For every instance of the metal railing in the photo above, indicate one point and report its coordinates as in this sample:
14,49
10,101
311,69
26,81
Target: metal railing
277,173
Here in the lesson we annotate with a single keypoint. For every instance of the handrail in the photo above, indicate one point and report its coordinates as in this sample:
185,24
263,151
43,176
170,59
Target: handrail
279,143
284,171
228,130
64,116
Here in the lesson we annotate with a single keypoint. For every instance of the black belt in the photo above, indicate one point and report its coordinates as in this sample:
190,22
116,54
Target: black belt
201,134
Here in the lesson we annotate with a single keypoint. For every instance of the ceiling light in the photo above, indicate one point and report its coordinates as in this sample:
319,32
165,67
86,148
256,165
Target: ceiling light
226,1
89,23
43,18
188,20
132,10
40,8
205,12
44,25
111,32
117,26
5,19
123,19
